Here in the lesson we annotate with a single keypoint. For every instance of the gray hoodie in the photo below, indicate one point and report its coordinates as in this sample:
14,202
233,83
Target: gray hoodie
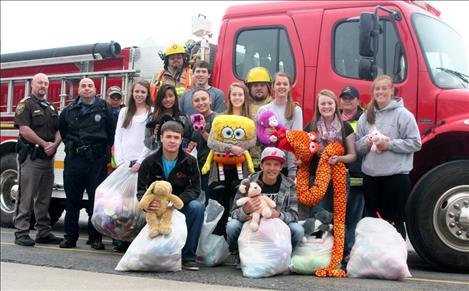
397,123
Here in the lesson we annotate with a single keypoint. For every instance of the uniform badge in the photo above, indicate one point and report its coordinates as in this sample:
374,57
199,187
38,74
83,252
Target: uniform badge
97,118
52,107
19,108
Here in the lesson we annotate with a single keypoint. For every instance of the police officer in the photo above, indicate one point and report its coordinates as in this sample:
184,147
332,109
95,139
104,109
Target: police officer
39,138
87,127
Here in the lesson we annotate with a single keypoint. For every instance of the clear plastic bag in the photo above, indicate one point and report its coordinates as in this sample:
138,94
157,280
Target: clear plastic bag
160,254
312,255
267,251
379,251
212,249
116,212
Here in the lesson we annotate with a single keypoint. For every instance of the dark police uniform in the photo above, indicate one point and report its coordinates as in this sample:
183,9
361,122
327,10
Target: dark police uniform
87,131
36,168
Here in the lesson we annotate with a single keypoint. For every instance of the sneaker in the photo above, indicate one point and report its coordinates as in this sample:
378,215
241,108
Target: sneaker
49,239
66,244
97,245
25,241
120,247
232,260
190,266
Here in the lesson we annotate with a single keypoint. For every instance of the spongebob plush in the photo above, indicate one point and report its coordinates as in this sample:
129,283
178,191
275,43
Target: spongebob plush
230,130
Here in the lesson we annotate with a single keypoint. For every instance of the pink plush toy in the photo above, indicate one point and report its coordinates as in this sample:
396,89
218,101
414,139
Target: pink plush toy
198,122
377,138
267,119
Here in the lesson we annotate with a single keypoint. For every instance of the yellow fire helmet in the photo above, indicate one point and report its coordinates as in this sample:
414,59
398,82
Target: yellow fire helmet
258,74
175,48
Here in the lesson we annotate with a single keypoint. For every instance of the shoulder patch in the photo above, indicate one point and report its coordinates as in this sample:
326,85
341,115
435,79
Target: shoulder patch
19,108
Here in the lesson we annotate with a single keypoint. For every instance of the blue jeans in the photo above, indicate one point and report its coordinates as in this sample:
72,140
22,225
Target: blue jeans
194,212
234,226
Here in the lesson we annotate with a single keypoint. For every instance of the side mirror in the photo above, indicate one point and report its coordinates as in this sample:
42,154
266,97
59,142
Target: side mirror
369,32
367,69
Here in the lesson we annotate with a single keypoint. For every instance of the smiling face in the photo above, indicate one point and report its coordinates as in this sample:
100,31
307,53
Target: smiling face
281,89
86,89
140,94
349,103
270,170
175,62
237,97
169,99
382,92
201,101
326,106
201,77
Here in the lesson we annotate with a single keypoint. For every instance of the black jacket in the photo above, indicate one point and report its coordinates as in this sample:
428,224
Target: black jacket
184,178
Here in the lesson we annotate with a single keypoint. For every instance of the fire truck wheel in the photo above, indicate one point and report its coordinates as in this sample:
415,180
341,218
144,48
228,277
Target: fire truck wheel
8,188
437,216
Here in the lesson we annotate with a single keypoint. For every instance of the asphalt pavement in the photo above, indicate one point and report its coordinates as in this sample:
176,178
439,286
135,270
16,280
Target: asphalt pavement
94,270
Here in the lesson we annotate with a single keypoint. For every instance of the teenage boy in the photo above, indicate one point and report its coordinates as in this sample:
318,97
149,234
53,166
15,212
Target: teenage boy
279,188
172,164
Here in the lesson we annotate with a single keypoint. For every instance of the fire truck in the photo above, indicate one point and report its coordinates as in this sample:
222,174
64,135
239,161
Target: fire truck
333,44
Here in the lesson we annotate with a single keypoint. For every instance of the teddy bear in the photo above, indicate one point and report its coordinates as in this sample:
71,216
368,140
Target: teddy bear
376,138
267,119
198,121
318,225
160,191
253,190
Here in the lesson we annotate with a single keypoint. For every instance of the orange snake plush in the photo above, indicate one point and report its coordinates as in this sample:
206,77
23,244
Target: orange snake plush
304,146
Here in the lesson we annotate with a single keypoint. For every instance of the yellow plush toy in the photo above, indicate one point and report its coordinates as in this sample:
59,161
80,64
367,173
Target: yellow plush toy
232,130
160,191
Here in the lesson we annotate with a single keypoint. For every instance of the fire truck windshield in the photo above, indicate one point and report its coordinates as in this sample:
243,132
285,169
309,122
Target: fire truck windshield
444,52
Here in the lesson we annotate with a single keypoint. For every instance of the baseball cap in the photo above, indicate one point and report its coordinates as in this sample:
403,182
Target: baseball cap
114,90
273,154
349,91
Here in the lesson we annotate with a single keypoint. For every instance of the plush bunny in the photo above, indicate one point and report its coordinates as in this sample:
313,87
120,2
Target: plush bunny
160,191
252,190
377,138
198,121
267,119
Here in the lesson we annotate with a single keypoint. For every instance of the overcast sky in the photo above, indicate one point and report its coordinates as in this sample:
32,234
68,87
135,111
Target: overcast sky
46,24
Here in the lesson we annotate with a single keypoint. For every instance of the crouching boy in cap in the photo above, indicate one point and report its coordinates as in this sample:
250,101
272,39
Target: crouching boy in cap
279,188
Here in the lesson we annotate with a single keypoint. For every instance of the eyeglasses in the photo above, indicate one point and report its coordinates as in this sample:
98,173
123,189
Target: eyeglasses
347,97
116,97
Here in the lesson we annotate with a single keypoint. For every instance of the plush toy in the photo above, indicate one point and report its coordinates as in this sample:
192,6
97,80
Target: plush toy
232,130
198,122
160,191
253,190
267,119
376,138
304,146
318,225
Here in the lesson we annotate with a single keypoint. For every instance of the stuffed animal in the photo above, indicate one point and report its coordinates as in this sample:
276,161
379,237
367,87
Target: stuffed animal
267,119
198,122
318,225
376,138
253,190
232,130
160,191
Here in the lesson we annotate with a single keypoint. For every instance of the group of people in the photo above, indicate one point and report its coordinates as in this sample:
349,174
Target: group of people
153,135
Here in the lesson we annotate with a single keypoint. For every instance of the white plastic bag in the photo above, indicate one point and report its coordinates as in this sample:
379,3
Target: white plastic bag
267,251
312,255
212,249
379,251
116,212
160,254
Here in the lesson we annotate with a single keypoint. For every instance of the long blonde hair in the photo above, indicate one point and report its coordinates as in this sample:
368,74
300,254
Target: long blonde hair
370,108
317,114
290,109
245,109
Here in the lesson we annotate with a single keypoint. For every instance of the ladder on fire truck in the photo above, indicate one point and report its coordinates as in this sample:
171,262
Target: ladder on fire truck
67,80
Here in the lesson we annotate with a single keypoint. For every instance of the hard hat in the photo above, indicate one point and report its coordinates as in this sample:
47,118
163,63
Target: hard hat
175,49
258,74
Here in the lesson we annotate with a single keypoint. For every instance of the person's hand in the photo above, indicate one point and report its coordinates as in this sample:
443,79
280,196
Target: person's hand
135,168
275,214
252,205
154,206
297,162
383,146
269,130
190,147
334,159
237,150
155,130
50,148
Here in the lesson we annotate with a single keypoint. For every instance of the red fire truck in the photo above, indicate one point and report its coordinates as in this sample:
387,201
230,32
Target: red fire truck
332,44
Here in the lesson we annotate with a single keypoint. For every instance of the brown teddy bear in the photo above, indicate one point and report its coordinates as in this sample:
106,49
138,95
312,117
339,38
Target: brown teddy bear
253,190
160,191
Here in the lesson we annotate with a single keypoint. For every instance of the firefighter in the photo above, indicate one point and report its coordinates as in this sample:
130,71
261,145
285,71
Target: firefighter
39,138
176,70
258,81
87,127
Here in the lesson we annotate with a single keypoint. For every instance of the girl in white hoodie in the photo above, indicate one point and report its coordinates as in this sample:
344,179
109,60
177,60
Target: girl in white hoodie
386,182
